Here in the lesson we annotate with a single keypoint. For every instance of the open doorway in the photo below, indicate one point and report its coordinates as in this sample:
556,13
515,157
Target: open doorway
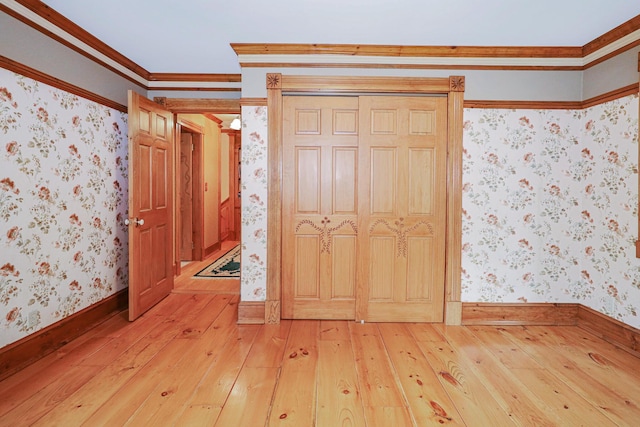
190,174
207,199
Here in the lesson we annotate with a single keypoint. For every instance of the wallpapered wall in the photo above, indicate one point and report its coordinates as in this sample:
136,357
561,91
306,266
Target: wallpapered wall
63,195
550,206
254,204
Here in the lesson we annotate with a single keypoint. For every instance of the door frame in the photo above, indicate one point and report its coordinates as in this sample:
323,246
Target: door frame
197,176
452,87
191,106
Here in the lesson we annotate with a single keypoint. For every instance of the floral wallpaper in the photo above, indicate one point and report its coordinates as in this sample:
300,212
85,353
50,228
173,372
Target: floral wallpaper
550,207
63,194
254,204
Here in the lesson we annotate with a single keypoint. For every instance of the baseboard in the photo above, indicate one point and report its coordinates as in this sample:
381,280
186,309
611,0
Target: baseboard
211,249
611,330
22,353
554,314
251,312
519,314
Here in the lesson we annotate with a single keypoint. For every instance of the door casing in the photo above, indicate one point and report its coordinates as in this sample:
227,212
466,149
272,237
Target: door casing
192,106
452,87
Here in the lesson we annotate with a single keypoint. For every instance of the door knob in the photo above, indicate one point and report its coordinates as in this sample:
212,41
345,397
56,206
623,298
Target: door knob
136,221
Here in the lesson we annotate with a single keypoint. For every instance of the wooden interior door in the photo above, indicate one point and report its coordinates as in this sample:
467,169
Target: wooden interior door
186,197
320,152
150,204
364,208
402,209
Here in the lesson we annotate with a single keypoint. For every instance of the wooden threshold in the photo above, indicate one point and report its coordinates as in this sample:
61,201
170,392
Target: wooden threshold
21,353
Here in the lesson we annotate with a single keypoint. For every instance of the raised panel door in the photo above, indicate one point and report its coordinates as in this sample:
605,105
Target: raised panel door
150,210
320,202
402,215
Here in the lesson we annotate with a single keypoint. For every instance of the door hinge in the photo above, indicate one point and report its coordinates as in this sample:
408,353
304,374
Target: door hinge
193,147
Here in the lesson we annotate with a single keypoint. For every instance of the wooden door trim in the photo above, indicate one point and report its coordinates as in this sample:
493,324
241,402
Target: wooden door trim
197,201
453,87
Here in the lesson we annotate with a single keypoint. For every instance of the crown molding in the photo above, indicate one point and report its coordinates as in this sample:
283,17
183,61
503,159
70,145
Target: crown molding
407,51
46,20
628,90
51,23
612,36
435,57
614,42
195,82
195,77
34,74
357,61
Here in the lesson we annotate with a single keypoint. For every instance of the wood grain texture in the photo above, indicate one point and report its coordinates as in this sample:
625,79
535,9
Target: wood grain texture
253,102
151,190
195,77
519,314
188,362
539,105
204,105
612,35
387,66
274,183
277,83
26,351
407,51
251,312
610,330
453,260
339,84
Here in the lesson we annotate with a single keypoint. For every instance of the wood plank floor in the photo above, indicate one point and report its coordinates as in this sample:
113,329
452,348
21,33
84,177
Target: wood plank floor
187,363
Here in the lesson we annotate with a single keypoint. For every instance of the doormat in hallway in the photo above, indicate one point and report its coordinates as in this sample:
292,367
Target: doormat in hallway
227,266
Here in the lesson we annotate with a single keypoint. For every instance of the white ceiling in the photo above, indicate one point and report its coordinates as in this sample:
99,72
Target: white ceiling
193,36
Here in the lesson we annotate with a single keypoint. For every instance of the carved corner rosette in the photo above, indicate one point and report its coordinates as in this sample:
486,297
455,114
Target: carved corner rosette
456,83
274,81
161,100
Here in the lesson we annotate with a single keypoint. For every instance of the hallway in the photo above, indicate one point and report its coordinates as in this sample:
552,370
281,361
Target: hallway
186,283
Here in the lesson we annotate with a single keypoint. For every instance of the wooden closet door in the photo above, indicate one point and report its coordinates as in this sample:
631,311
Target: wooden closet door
402,209
320,201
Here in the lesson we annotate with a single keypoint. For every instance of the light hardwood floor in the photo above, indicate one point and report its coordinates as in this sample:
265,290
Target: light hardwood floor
187,363
186,283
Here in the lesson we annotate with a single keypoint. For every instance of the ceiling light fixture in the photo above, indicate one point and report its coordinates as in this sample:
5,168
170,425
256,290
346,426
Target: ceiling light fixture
235,123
